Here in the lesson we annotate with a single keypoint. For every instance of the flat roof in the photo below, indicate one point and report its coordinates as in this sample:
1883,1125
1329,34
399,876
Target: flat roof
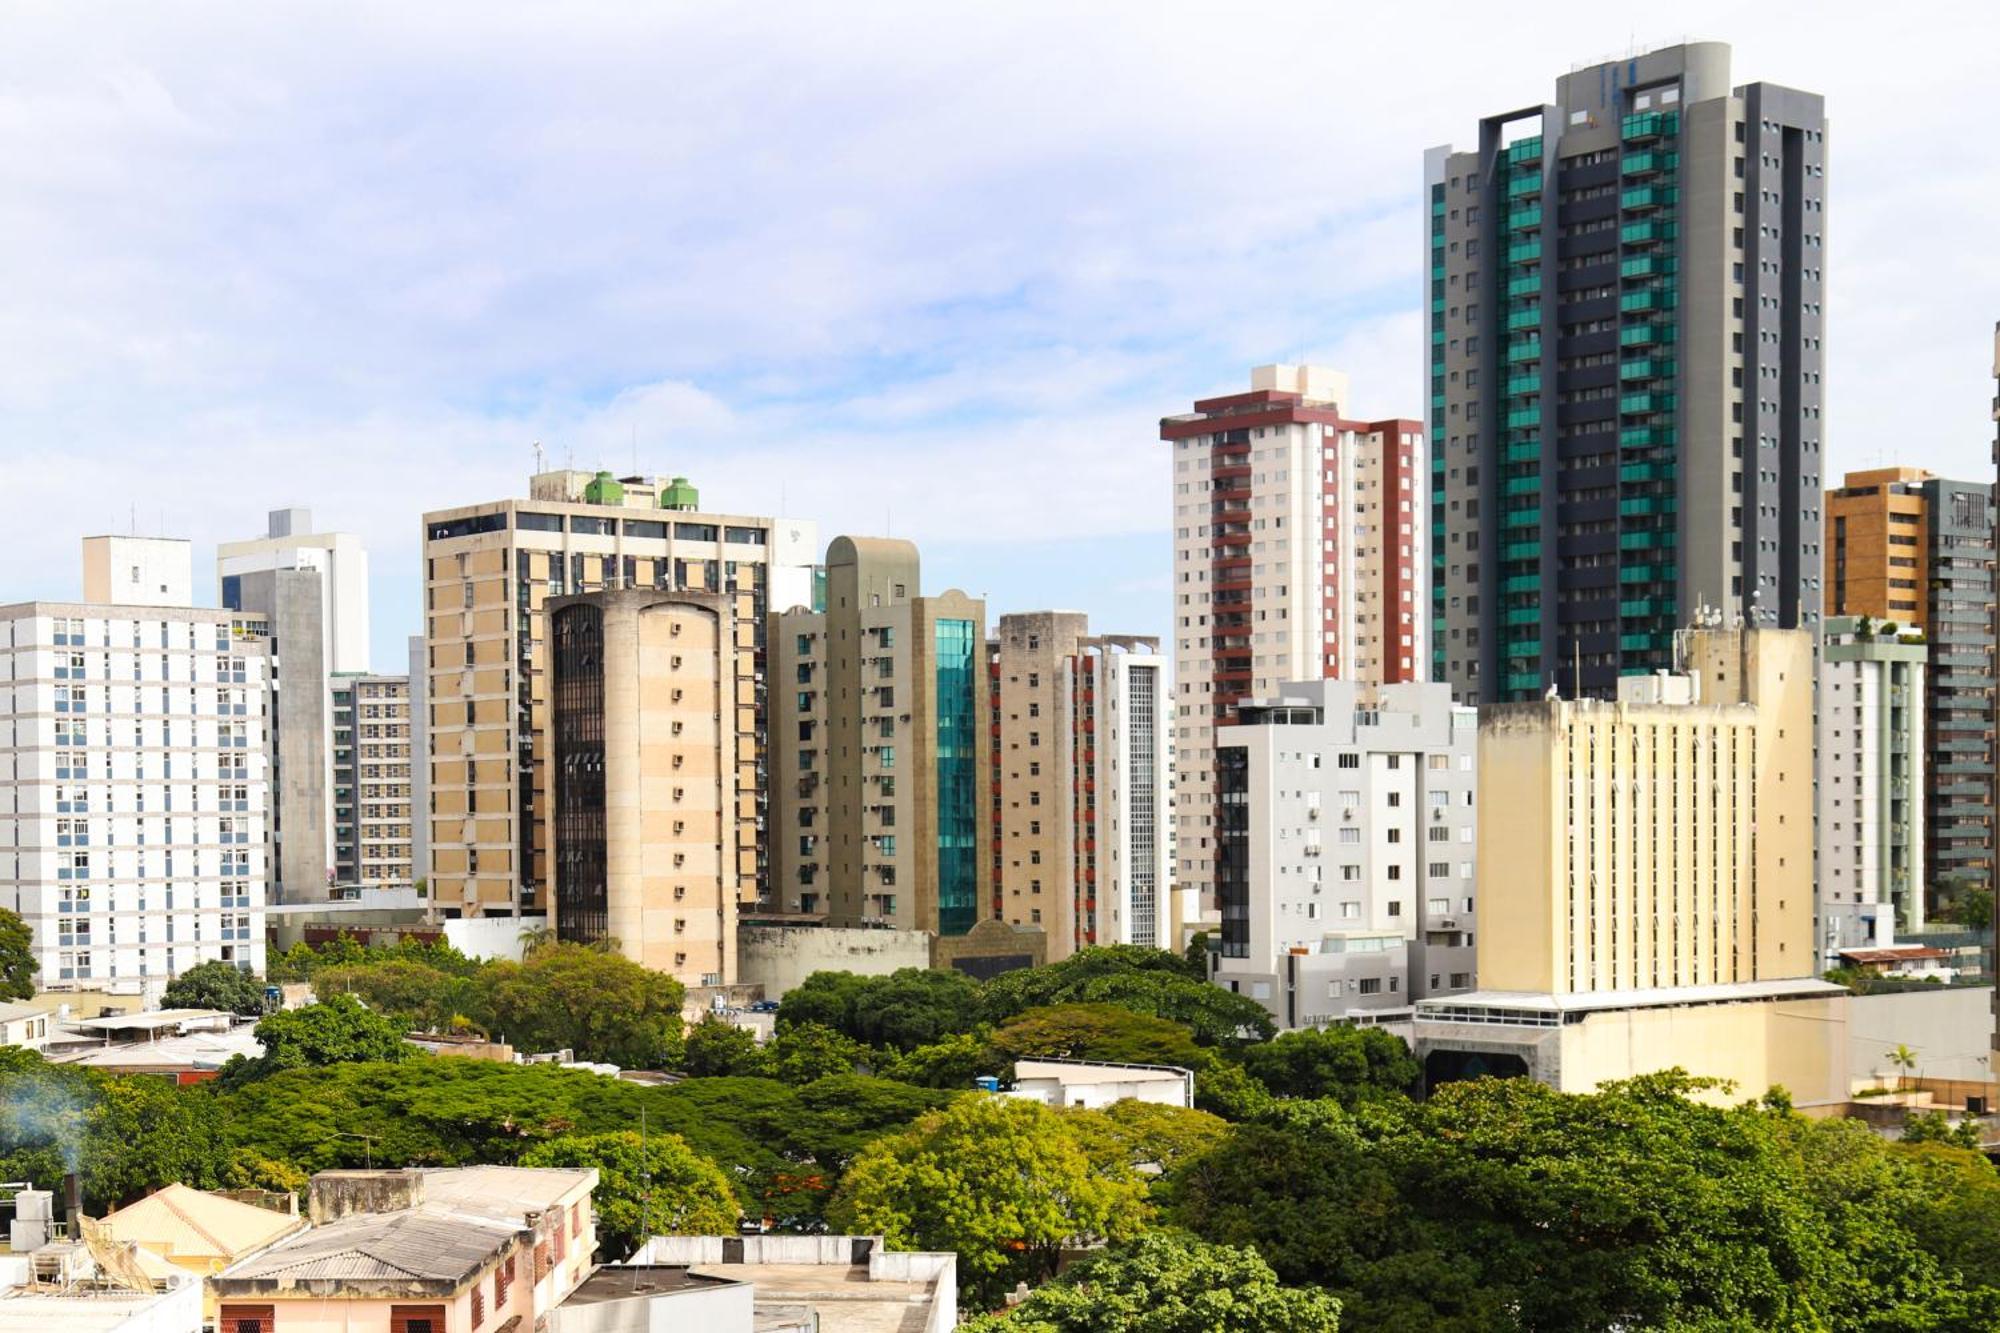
81,1312
624,1282
1096,1071
148,1020
841,1295
24,1009
1652,997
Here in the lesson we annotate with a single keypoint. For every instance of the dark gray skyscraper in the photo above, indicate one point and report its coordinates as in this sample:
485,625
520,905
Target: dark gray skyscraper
1625,358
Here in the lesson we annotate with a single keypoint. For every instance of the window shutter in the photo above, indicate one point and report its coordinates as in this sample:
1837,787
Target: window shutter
246,1318
416,1319
478,1305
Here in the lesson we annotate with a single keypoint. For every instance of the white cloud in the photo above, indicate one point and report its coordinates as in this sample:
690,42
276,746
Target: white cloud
952,264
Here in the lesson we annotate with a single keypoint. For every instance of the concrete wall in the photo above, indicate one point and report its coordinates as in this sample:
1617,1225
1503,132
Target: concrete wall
779,958
1949,1029
730,1309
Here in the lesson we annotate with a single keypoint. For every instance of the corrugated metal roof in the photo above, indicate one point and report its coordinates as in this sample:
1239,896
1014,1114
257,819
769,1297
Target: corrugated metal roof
383,1247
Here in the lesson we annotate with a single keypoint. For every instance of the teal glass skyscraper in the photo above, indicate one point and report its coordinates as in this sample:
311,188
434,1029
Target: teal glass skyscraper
1624,354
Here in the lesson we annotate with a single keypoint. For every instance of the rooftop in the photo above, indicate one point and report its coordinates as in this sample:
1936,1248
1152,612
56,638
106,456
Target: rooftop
1096,1071
624,1282
195,1051
97,1310
461,1218
1654,997
23,1009
190,1223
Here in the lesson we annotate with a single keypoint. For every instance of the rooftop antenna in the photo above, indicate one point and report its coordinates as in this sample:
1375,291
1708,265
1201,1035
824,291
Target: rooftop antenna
541,463
135,518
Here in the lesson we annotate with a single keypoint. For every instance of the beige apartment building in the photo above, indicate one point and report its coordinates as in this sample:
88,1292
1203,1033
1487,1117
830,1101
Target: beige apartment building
1082,844
880,748
1647,873
647,798
490,571
372,811
1665,839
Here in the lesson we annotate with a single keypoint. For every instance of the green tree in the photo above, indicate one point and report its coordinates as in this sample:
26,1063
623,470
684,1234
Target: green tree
1006,1183
657,1186
952,1062
215,985
1936,1127
418,994
1151,982
1148,1137
1168,1284
824,998
1095,1032
336,1030
1348,1064
602,1006
716,1046
916,1006
1905,1061
806,1052
17,958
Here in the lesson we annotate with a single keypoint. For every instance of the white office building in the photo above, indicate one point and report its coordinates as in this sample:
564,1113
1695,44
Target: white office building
133,803
1871,790
1346,850
290,543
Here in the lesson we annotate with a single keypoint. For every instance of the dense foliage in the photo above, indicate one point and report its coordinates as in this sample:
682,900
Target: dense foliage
646,1186
17,958
1162,1283
215,985
1007,1184
1317,1185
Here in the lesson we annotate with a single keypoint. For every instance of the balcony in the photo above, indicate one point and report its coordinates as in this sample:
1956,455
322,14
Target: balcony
1638,404
1648,266
1522,615
1650,162
1649,125
1523,451
1647,506
1645,541
1525,150
1647,437
1527,318
1644,198
1520,583
1630,472
1647,368
1517,385
1526,285
1527,218
1522,417
1521,550
1651,231
1522,518
1524,349
1522,186
1522,486
1650,298
1645,333
1525,252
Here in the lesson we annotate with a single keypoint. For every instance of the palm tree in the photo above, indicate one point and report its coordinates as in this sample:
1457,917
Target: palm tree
1905,1060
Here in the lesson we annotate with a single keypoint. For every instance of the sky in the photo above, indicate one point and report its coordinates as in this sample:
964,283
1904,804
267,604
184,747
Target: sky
930,270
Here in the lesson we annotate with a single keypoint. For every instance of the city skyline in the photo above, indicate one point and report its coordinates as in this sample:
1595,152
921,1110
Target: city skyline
445,272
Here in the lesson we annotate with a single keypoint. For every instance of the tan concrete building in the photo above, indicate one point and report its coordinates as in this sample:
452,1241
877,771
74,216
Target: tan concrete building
880,748
647,803
1082,842
490,570
1877,541
1665,839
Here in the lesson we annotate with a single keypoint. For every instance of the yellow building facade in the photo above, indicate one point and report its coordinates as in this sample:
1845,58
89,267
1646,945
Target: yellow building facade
1665,839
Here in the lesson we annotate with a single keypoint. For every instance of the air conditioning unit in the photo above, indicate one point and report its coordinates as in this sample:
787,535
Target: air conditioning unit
1348,814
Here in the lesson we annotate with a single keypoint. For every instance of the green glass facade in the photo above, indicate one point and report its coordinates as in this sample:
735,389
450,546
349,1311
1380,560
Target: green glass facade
957,679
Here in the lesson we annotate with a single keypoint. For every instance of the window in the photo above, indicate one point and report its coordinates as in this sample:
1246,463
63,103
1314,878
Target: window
1369,986
245,1318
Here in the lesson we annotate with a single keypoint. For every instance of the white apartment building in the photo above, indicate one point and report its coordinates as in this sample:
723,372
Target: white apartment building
1870,790
1299,554
133,805
1347,849
290,543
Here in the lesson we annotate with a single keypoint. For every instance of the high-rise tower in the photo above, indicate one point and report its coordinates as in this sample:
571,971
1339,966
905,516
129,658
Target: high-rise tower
1625,362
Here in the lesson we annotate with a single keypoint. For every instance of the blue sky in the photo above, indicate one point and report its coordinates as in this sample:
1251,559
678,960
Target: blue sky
932,268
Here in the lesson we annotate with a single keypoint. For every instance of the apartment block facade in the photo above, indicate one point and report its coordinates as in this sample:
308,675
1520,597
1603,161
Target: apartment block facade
132,822
490,570
1082,843
374,801
880,750
1626,362
1871,783
1958,710
1662,840
1348,885
1299,548
1878,546
647,804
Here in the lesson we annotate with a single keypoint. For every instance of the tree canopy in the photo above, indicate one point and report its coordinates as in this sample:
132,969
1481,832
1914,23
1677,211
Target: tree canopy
655,1186
1146,981
337,1030
1008,1184
17,958
1348,1064
600,1005
1163,1283
215,985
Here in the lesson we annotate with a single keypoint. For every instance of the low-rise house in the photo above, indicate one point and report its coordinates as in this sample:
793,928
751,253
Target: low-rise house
1094,1084
641,1298
91,1308
198,1233
477,1249
25,1024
